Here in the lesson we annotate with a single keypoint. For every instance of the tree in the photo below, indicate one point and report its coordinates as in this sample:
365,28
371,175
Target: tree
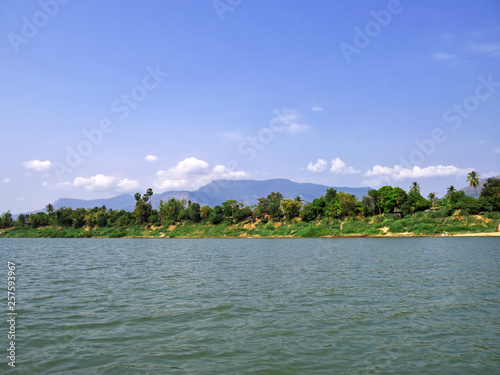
229,207
450,191
371,203
415,187
6,220
21,219
205,211
291,208
348,203
193,211
391,197
170,211
216,216
270,205
491,193
243,213
473,179
432,197
143,207
39,219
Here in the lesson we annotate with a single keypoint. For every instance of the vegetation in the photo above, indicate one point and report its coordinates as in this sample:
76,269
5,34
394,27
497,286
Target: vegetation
335,213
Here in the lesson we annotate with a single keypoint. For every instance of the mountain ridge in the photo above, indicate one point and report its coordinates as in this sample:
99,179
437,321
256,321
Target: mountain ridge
214,193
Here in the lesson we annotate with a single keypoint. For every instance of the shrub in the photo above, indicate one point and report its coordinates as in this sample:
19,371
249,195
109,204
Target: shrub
397,227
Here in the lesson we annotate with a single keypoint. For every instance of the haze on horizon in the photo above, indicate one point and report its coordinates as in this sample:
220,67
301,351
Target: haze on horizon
100,98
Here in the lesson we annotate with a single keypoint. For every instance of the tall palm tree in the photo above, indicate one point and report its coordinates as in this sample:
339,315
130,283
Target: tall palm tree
49,208
450,191
473,179
432,197
415,187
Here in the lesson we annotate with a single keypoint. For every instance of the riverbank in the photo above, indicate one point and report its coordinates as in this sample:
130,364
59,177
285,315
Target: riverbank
379,226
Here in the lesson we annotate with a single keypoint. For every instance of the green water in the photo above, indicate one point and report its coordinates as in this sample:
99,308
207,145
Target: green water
254,306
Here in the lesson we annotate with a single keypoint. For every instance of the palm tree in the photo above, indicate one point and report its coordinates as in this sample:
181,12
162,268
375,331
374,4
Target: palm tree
49,208
473,179
432,197
450,191
415,187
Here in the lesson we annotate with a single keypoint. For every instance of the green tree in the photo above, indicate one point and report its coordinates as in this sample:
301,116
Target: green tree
229,207
391,197
371,203
432,197
193,211
270,205
6,220
415,187
473,178
450,191
243,213
21,219
39,219
217,215
170,211
348,203
491,193
205,211
291,208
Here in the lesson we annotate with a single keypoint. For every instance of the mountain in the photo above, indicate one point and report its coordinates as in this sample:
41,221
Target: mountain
248,191
214,194
120,202
469,190
124,201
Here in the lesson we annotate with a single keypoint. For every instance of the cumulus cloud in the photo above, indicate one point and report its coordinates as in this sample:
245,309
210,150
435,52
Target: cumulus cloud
317,109
151,158
497,150
94,183
38,165
6,180
339,167
382,174
191,173
319,166
127,184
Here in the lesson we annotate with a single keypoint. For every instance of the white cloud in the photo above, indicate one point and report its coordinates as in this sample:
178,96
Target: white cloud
289,119
386,174
151,158
339,167
6,180
319,166
127,184
497,150
317,109
94,183
38,165
191,173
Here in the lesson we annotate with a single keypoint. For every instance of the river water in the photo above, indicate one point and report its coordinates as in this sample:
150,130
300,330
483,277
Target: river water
254,306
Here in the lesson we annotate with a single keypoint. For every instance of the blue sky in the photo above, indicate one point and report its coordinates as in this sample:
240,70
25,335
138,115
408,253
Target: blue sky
103,98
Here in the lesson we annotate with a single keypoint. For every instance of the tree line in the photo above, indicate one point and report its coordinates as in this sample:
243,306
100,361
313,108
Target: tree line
273,207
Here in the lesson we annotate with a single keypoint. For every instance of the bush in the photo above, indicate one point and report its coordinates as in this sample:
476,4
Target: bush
397,227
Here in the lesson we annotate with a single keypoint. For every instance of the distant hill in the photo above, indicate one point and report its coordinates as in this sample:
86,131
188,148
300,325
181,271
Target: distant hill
214,194
120,202
248,191
469,191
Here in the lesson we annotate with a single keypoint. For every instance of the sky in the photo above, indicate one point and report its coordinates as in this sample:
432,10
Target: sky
105,98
